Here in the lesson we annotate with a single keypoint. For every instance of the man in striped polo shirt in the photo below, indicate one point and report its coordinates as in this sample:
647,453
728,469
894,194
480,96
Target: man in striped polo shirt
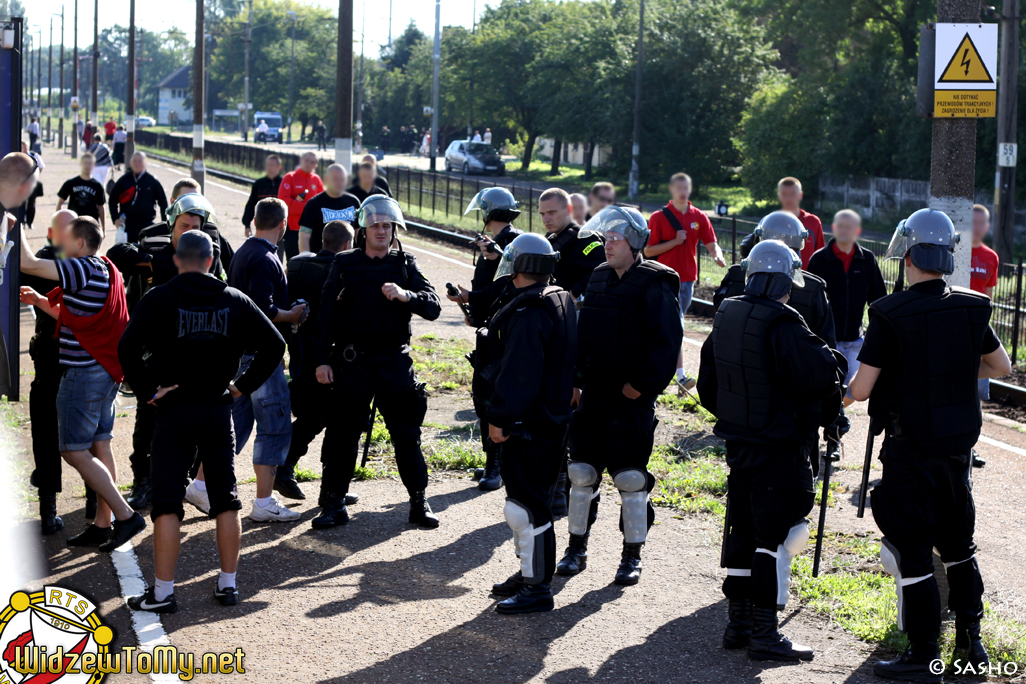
91,314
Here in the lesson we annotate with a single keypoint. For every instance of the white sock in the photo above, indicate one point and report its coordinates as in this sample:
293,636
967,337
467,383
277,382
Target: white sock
162,589
265,501
680,374
225,580
200,485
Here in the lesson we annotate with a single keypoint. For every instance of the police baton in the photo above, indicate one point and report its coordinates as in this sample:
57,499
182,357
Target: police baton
453,292
865,472
370,431
832,454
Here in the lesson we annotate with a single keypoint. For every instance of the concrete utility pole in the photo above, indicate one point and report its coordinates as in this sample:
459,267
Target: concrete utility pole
344,87
953,158
245,80
49,85
60,119
1008,85
437,59
96,63
292,73
198,170
130,97
74,92
39,78
635,176
359,92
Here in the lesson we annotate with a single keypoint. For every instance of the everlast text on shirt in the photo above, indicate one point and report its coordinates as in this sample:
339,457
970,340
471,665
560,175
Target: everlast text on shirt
202,324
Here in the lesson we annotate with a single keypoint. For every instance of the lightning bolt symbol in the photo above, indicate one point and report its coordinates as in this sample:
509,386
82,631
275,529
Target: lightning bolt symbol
966,61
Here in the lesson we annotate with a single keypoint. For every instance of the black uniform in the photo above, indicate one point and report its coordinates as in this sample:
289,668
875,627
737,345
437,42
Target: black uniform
578,257
45,383
365,338
927,342
809,300
310,399
145,265
525,378
193,333
484,289
770,382
630,332
135,197
262,188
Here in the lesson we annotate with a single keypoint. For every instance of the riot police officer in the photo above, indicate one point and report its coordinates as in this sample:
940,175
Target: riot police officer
769,381
925,348
307,273
579,251
144,266
525,384
363,350
630,335
810,299
498,209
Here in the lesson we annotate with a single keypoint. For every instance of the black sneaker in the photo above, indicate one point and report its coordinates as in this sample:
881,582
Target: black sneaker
90,536
147,602
289,488
229,596
123,530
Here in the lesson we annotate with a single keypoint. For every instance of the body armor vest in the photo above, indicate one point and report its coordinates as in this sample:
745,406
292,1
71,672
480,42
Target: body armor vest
363,316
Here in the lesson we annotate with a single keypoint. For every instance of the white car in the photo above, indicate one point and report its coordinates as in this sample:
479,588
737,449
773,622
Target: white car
144,121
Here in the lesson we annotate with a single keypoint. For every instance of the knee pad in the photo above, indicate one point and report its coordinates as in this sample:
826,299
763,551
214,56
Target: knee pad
794,543
527,541
890,559
583,490
633,486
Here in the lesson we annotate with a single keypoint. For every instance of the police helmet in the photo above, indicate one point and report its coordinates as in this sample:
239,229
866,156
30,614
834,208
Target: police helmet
783,226
495,204
380,209
771,268
528,253
928,237
622,220
190,203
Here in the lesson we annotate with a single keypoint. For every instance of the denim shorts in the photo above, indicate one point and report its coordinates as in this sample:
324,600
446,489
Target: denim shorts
851,354
85,407
983,389
687,292
270,409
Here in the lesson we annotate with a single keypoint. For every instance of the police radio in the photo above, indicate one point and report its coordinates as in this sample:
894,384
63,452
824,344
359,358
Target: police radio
490,247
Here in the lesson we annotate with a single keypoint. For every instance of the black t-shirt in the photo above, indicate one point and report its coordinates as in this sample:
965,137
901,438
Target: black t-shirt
323,208
380,188
84,197
880,348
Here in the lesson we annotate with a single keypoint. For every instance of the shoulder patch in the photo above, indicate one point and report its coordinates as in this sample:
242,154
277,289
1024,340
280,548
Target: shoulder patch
587,250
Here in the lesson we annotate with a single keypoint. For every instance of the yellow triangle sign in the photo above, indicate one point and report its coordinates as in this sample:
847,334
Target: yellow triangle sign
966,65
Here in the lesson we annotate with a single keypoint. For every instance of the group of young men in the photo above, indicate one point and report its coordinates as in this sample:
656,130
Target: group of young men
578,335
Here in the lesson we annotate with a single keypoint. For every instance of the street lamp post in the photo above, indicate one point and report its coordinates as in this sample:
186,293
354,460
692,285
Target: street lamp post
60,119
39,77
96,64
344,87
245,80
198,169
130,96
292,71
49,85
74,91
635,176
437,59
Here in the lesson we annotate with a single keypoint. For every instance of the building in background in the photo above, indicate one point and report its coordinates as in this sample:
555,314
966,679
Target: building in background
175,90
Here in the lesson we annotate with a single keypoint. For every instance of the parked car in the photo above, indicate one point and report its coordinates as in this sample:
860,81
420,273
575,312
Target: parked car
274,130
144,121
474,157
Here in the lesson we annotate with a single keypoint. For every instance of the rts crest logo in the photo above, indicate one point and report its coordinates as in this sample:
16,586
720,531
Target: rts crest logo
52,635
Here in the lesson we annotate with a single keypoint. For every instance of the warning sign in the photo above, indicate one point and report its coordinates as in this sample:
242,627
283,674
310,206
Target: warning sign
965,70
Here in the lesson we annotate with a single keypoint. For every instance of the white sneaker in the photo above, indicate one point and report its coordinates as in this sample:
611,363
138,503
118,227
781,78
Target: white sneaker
275,512
197,498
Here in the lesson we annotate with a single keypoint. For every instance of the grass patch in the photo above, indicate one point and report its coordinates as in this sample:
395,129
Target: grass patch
209,163
454,454
441,363
305,475
690,481
688,403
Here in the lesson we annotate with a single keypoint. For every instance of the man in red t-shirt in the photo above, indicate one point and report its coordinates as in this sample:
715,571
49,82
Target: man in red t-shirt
296,189
109,128
673,241
789,192
984,273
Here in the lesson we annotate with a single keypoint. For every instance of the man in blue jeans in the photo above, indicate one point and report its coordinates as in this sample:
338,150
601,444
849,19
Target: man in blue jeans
256,271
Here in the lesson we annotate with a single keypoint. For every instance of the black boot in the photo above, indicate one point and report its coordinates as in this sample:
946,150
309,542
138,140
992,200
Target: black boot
533,598
510,587
420,511
978,461
287,486
322,499
767,643
968,644
575,558
559,502
490,478
122,531
50,523
739,624
142,493
629,572
90,506
913,665
333,513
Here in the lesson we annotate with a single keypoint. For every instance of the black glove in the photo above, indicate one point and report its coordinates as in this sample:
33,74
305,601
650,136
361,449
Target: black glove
838,429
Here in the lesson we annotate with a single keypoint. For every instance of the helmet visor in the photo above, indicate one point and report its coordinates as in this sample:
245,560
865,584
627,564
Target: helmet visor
775,262
899,243
380,209
616,220
477,204
506,262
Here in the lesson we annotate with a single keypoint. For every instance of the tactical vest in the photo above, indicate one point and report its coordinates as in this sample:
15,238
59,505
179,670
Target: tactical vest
747,397
612,325
491,346
363,316
306,275
801,299
930,396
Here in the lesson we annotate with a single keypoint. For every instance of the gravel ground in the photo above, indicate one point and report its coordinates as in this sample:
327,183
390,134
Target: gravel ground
398,604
